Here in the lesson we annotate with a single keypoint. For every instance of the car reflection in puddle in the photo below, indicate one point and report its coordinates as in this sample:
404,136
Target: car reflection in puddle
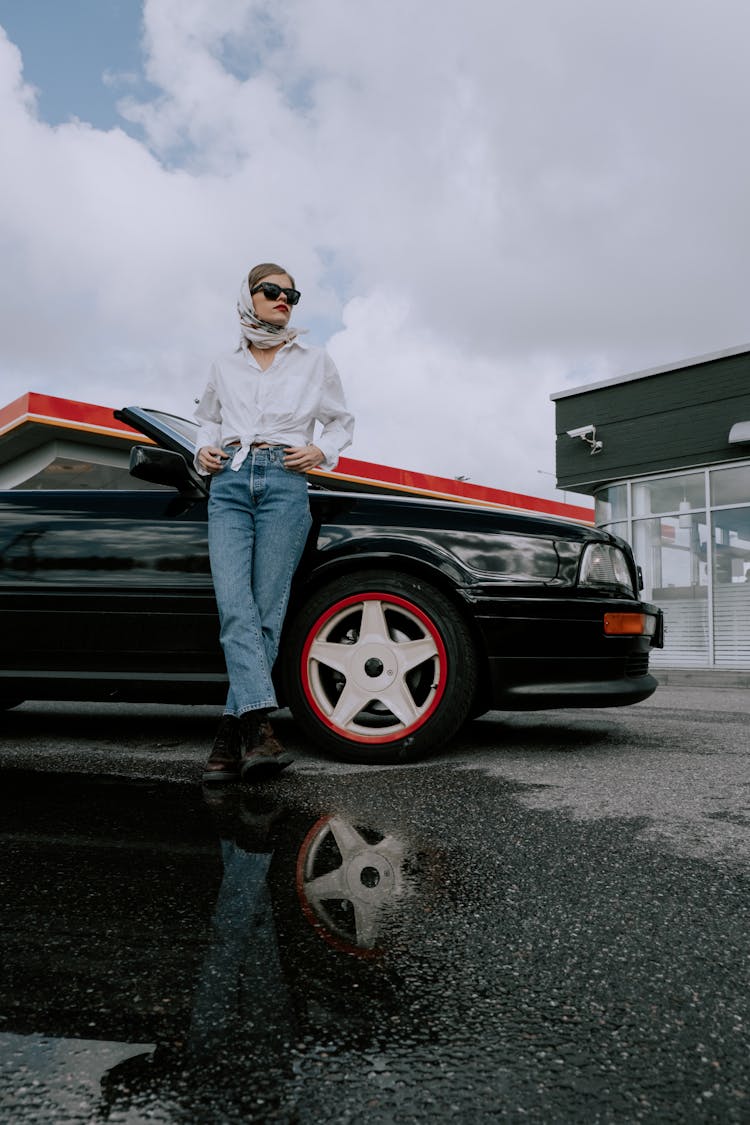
194,957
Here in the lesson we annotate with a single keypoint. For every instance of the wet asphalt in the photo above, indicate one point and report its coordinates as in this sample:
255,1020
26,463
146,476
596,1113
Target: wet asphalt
547,922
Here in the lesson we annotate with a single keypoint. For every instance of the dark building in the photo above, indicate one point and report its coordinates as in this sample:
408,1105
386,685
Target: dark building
666,455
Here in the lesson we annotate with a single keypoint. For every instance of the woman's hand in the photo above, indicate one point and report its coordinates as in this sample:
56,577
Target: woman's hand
211,458
302,458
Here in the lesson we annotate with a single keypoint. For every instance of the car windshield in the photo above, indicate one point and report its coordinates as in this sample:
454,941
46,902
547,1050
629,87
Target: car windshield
181,426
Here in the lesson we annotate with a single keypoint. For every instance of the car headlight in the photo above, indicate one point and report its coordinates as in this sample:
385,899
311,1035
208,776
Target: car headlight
605,567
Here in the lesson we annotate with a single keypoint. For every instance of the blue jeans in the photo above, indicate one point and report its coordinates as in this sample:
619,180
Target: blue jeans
242,996
258,520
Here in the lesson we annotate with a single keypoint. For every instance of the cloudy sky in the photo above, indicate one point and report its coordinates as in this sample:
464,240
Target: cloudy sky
483,203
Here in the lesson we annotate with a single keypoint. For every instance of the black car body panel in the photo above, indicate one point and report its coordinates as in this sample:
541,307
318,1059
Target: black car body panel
108,594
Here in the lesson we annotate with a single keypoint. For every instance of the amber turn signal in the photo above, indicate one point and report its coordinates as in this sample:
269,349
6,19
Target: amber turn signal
628,624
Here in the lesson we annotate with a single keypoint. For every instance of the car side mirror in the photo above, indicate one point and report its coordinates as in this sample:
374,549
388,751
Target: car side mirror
161,466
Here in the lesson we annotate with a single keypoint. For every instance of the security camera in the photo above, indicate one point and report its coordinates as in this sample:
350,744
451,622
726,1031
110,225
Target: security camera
588,434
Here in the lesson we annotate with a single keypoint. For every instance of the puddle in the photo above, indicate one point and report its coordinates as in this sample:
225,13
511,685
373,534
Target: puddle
379,947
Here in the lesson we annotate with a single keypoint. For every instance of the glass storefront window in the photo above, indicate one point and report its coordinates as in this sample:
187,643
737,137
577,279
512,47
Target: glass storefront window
700,580
732,546
731,595
731,486
672,553
669,494
611,505
620,529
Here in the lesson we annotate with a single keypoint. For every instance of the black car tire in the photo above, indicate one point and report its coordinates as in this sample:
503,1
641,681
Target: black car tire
379,667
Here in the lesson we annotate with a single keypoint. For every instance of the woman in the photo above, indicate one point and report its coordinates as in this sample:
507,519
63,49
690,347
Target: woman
257,419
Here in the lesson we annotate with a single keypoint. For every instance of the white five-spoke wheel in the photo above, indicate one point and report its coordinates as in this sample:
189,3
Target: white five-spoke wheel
380,662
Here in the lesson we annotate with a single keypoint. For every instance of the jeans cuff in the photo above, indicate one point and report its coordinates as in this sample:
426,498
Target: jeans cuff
271,705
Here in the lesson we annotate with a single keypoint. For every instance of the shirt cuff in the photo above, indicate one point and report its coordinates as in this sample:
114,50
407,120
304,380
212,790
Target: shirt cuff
330,453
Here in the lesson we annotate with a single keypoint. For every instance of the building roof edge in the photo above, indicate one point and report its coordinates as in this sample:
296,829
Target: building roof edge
662,370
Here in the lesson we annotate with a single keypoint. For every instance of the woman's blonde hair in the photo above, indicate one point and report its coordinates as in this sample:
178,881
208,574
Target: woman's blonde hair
265,269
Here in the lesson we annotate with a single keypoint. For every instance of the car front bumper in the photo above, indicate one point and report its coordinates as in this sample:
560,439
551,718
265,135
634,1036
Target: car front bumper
553,652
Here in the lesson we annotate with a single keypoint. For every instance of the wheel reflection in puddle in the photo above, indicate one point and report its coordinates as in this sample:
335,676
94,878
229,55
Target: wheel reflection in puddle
347,878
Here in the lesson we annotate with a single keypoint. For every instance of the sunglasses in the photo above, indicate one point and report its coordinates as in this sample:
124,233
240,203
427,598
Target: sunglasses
272,291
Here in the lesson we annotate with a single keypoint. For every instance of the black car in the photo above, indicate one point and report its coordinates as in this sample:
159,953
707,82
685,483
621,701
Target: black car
407,616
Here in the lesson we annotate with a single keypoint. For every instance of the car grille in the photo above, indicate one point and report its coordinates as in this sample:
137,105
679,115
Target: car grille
637,665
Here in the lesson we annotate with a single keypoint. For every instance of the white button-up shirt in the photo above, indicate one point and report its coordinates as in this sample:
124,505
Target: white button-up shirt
280,405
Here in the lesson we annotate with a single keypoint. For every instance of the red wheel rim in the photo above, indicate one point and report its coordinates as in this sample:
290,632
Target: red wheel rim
395,666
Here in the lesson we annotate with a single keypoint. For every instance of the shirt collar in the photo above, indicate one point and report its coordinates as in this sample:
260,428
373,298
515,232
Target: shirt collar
285,347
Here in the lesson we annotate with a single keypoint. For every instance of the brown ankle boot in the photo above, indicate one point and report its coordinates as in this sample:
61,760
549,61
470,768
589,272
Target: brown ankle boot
267,740
224,761
263,755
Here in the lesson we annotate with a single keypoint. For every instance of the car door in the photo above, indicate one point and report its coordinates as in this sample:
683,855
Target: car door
107,582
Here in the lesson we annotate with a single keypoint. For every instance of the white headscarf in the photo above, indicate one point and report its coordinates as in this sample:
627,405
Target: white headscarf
259,332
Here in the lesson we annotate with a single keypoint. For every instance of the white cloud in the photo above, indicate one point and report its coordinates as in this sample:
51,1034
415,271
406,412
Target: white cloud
491,199
434,406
